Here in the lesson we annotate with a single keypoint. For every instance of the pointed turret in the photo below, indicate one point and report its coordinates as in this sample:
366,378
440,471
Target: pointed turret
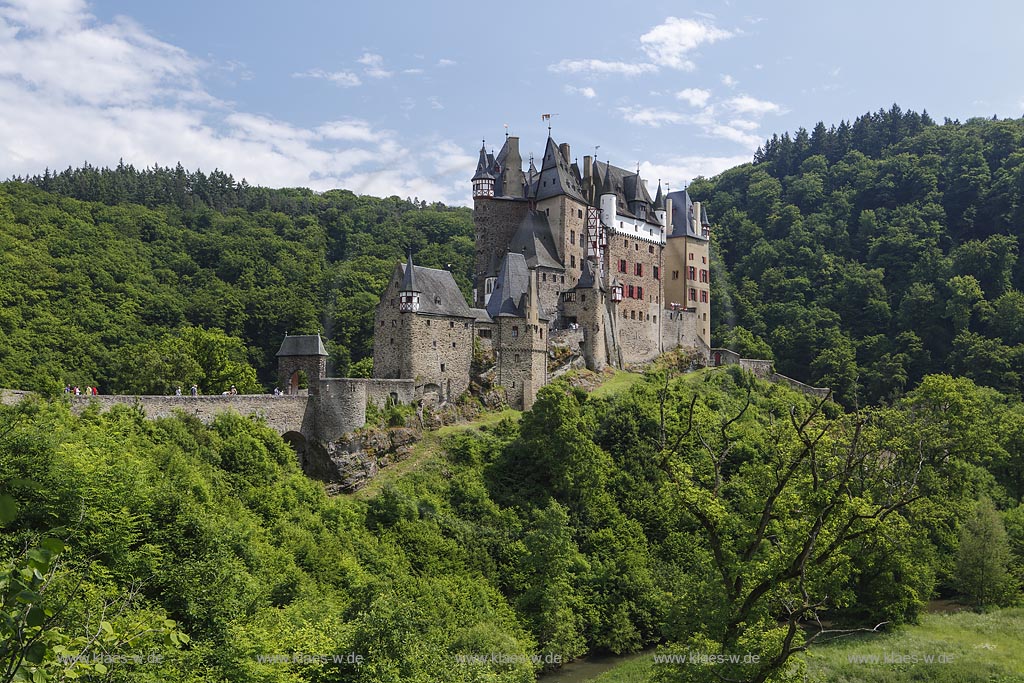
483,180
609,201
409,293
660,212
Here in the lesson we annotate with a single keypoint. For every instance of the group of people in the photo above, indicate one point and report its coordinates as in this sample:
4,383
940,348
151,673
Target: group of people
75,390
193,390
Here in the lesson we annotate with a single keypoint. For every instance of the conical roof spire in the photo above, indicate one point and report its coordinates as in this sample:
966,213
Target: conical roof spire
409,279
483,171
659,199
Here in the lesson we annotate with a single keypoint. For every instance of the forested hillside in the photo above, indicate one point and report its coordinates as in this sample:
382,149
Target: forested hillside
863,256
199,280
704,511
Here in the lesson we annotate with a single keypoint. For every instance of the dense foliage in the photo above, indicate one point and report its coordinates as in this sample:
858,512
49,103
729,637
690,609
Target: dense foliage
870,254
110,294
594,524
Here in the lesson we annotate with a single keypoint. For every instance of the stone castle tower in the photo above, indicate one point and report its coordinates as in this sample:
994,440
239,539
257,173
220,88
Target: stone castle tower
581,252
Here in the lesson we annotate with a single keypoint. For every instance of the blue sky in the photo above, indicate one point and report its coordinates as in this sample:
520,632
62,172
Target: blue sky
393,98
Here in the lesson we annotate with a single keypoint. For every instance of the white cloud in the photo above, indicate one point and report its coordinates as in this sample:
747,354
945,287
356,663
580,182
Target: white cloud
446,62
733,134
74,89
729,81
654,118
668,43
374,65
598,66
744,124
745,104
345,79
677,172
695,97
435,102
587,92
412,72
353,130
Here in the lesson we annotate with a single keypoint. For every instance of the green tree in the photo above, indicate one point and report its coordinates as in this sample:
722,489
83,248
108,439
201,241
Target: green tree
983,558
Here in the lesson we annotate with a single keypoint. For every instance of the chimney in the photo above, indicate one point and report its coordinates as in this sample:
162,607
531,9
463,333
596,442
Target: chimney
564,149
587,161
668,216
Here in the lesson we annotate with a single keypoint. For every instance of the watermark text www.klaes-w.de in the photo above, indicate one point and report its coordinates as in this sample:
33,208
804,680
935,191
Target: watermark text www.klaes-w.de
350,658
707,658
110,659
902,658
507,658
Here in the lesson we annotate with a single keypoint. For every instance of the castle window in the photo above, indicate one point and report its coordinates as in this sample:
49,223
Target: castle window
572,237
650,249
632,315
692,273
622,265
451,324
579,213
569,297
704,296
693,294
636,246
625,243
583,298
542,333
392,340
691,256
547,212
515,331
382,323
544,277
572,261
484,334
465,326
453,345
657,273
563,279
632,292
703,275
640,293
675,274
428,323
703,259
442,367
655,319
638,269
517,358
435,343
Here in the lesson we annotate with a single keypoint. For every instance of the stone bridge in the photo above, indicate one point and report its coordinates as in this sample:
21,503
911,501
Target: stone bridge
338,406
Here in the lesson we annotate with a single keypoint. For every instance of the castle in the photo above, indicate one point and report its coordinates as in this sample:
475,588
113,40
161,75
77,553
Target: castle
584,254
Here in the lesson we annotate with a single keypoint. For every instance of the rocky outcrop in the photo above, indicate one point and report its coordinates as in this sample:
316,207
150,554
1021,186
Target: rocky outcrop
348,464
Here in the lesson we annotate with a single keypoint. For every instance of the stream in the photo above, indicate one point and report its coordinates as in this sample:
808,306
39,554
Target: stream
588,668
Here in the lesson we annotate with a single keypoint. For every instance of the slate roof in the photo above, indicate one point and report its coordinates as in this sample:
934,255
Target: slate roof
481,315
409,278
628,187
439,295
588,277
682,210
509,295
533,239
302,345
484,165
556,176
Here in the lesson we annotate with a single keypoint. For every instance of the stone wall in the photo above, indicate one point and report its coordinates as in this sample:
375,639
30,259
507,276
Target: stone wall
391,334
680,329
636,315
495,222
816,392
440,351
315,367
521,360
282,413
762,369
